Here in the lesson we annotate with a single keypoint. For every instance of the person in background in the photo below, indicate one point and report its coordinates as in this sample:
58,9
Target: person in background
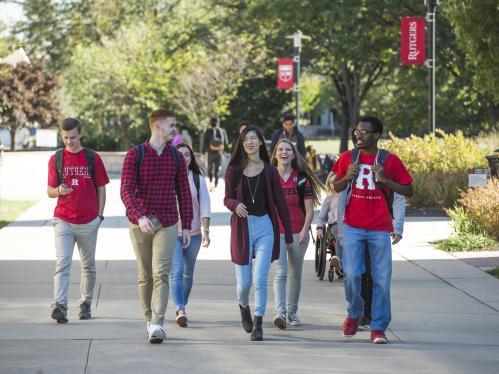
289,131
214,143
184,259
312,157
242,126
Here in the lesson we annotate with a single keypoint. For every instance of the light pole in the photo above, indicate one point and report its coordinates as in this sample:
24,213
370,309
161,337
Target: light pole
297,37
430,63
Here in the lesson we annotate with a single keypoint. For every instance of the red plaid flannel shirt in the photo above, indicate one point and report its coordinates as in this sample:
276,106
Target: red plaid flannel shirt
154,192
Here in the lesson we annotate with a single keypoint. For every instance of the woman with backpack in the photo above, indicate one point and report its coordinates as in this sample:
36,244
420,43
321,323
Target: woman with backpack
254,195
302,191
184,259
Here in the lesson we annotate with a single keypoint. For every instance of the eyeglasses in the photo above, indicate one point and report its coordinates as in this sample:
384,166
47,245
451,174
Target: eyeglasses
363,132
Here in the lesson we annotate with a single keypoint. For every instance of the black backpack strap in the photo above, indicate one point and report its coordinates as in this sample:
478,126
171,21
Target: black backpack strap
195,176
388,194
59,165
90,155
355,160
301,182
139,159
177,162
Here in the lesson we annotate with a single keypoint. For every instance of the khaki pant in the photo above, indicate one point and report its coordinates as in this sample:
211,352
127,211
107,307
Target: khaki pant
154,253
66,235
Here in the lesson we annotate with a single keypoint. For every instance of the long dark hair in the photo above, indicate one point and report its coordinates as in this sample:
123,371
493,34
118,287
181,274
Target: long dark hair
299,164
239,157
193,165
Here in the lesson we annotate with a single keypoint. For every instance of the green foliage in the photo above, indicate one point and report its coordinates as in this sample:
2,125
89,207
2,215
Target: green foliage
438,165
441,152
494,272
11,209
27,95
475,219
477,29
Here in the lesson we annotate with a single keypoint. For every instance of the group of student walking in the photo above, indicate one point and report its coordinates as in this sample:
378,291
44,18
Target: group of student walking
271,199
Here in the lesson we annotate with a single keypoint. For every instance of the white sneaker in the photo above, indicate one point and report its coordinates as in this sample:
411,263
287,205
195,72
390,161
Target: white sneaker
293,319
156,333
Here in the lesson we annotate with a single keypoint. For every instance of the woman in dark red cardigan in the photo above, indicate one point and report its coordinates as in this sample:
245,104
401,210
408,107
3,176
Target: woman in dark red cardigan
254,195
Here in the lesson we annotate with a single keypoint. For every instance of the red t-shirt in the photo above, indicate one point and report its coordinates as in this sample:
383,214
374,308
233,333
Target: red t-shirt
291,192
81,205
368,207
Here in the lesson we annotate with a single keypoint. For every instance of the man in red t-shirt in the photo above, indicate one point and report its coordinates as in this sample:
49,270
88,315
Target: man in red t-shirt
368,224
80,188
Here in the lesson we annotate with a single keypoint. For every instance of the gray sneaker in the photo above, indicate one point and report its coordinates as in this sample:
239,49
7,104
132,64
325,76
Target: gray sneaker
85,311
293,319
280,321
59,313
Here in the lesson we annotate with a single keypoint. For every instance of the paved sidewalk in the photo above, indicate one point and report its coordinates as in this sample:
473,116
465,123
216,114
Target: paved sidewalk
445,312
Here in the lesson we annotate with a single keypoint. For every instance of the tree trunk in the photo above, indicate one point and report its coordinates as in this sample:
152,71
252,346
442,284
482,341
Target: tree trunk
13,138
493,116
350,100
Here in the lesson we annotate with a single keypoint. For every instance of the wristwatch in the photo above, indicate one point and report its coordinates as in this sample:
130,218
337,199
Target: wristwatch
101,218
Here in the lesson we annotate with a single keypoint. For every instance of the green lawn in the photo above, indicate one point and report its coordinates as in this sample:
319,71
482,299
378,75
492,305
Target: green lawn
11,209
326,146
494,272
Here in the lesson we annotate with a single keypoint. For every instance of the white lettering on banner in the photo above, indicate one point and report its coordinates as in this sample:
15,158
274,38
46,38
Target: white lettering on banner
413,39
362,175
74,182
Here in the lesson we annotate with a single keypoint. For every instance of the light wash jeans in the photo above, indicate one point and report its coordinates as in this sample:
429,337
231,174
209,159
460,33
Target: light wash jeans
181,275
378,243
261,242
85,236
154,253
288,269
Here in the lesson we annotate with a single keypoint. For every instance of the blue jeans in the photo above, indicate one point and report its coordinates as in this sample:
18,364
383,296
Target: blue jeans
378,243
261,242
181,275
288,269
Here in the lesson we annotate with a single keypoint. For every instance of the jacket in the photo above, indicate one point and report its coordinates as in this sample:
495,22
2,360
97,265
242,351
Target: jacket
276,202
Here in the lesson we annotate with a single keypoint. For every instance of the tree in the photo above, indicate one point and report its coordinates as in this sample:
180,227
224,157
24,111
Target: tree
27,95
477,29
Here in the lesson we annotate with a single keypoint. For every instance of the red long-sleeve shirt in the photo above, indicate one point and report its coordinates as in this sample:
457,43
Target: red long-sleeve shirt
151,190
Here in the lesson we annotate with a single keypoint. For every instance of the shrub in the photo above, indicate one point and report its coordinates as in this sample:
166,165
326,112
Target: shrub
438,165
482,206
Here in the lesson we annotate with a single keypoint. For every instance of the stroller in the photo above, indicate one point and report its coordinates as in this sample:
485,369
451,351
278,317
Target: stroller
322,247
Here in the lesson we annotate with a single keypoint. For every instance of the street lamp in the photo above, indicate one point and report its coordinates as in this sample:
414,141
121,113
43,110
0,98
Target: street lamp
297,38
430,63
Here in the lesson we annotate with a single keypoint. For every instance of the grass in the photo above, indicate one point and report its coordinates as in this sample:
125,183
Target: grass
11,209
494,272
466,242
331,146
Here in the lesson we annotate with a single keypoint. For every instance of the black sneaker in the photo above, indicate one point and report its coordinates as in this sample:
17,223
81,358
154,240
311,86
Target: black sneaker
59,313
85,311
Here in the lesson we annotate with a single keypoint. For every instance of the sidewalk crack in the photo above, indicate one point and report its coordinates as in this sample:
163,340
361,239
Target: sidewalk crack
88,355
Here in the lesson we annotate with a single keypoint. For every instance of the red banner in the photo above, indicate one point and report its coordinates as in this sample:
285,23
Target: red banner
412,40
285,76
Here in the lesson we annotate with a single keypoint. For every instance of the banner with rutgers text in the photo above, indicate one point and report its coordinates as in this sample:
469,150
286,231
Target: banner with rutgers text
285,76
412,40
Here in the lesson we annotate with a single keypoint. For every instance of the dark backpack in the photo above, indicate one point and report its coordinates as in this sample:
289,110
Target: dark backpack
59,163
214,140
139,161
380,160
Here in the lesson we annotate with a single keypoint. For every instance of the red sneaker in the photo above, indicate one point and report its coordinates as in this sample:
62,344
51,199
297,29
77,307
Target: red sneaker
350,327
378,337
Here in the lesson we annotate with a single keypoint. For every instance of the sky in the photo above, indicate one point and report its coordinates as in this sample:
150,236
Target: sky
10,13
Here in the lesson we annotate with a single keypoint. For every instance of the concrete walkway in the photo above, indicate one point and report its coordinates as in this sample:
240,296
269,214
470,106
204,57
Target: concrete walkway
445,312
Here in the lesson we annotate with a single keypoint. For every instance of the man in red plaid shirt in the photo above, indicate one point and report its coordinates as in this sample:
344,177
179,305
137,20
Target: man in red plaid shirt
153,179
